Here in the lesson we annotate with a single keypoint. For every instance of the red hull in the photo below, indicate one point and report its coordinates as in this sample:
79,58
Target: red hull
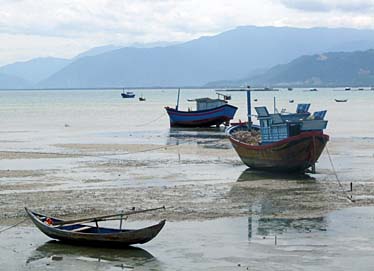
296,153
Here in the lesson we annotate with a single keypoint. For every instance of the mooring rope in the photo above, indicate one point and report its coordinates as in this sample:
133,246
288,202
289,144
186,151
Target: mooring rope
14,225
349,197
148,122
165,147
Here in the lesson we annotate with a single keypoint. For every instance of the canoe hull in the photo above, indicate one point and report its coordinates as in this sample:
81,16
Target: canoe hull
106,238
294,154
202,118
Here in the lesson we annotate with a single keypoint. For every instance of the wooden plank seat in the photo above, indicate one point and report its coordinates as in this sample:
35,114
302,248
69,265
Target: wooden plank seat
81,228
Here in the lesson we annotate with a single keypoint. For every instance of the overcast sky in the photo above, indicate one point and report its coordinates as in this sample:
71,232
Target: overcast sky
64,28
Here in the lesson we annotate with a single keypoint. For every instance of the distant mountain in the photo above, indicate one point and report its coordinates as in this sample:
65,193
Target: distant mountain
230,55
107,48
13,82
36,69
327,69
98,50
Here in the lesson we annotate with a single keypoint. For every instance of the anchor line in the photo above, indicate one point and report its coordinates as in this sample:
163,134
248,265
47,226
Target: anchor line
148,122
12,226
349,197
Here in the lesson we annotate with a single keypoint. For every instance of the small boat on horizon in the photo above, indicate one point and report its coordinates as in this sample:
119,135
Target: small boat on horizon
208,112
347,88
289,89
127,94
72,231
341,100
142,98
313,89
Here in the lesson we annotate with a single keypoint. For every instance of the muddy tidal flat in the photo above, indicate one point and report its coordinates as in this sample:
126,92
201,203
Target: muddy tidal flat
203,188
220,214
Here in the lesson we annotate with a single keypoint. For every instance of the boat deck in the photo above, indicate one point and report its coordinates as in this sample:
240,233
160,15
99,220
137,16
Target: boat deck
252,137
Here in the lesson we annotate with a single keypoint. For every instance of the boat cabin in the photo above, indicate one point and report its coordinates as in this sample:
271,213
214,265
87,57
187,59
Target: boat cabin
208,103
276,127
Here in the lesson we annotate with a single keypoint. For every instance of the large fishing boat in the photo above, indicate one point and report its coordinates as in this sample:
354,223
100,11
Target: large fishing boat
290,142
208,112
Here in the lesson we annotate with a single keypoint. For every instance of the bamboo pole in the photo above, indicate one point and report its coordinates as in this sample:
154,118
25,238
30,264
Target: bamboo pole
102,218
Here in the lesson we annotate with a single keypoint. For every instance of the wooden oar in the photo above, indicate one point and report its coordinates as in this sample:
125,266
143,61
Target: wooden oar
102,218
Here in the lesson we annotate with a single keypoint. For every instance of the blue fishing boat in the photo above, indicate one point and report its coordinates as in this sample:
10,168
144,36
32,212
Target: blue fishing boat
209,112
127,94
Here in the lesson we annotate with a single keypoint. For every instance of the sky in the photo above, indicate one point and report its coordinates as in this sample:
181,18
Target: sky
65,28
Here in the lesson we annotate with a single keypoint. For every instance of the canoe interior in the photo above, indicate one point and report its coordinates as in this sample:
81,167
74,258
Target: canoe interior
87,228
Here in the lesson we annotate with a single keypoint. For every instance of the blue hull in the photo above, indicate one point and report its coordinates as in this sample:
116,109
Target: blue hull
202,118
125,95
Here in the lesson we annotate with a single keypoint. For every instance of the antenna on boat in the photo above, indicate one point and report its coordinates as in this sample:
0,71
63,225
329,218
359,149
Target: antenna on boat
249,107
179,90
275,105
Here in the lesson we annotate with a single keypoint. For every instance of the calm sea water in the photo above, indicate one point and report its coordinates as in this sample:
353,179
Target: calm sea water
102,116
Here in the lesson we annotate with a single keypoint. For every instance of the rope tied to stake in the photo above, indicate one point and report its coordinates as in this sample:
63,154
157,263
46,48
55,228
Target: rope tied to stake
349,197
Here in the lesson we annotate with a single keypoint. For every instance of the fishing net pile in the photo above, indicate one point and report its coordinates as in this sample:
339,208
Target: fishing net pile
250,137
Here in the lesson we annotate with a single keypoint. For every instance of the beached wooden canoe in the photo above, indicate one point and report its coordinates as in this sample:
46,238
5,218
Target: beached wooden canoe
292,154
82,234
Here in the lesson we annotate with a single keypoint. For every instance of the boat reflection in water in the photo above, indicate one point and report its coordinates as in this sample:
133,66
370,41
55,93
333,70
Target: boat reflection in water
88,258
207,138
280,203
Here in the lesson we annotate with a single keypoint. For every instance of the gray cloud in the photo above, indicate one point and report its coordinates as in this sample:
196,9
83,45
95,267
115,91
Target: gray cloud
353,6
30,28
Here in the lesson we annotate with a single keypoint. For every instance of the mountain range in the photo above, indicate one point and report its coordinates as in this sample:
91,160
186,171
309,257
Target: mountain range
258,54
326,69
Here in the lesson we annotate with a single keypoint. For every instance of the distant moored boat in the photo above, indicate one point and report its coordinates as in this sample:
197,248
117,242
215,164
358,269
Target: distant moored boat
209,112
142,98
127,94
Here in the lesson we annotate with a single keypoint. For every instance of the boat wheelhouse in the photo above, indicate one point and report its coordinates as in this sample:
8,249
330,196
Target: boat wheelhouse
276,127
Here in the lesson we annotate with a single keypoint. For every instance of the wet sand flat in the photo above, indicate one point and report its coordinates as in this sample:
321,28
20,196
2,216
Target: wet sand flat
194,181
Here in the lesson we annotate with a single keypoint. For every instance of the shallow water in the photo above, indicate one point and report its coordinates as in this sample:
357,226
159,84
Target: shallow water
341,240
33,119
